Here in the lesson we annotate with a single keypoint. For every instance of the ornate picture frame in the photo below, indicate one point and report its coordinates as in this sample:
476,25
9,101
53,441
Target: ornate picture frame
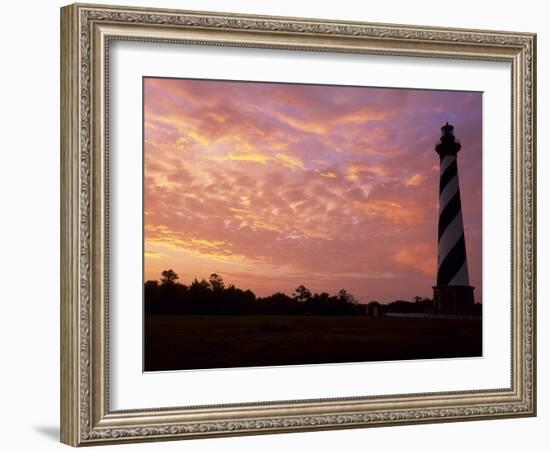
87,31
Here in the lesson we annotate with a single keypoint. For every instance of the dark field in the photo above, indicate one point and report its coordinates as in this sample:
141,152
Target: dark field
201,342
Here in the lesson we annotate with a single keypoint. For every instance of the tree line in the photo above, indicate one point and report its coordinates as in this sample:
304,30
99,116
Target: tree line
213,297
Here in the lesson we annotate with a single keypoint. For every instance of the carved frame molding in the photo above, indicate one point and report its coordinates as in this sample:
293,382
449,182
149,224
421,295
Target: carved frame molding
86,31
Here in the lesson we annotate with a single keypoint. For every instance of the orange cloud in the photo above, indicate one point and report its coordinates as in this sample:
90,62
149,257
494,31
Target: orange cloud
328,174
415,180
250,157
420,257
392,211
290,160
356,168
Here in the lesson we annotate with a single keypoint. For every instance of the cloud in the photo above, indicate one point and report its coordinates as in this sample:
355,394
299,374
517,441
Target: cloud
420,257
250,157
415,180
290,161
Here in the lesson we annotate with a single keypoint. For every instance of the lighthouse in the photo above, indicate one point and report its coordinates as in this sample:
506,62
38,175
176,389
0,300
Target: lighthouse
452,293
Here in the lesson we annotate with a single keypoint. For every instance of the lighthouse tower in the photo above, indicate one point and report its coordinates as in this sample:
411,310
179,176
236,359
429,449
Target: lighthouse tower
453,293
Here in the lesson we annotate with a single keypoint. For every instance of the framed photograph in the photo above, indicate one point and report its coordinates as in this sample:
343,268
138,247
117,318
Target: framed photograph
275,224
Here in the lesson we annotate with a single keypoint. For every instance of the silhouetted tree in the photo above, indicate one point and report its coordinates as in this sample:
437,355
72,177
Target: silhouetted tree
169,277
420,305
198,288
151,297
169,297
302,293
345,297
216,281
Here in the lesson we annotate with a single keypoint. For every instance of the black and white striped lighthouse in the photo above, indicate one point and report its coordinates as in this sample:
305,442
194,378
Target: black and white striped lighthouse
453,293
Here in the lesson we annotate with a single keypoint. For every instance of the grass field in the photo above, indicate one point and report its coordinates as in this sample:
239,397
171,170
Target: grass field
200,342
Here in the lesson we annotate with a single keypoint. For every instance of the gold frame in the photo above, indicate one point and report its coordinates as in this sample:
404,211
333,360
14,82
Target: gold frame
86,31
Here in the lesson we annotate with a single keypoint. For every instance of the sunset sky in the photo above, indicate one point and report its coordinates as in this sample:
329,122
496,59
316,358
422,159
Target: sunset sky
275,185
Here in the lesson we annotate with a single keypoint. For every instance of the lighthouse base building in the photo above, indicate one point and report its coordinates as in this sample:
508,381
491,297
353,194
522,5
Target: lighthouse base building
453,293
453,299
